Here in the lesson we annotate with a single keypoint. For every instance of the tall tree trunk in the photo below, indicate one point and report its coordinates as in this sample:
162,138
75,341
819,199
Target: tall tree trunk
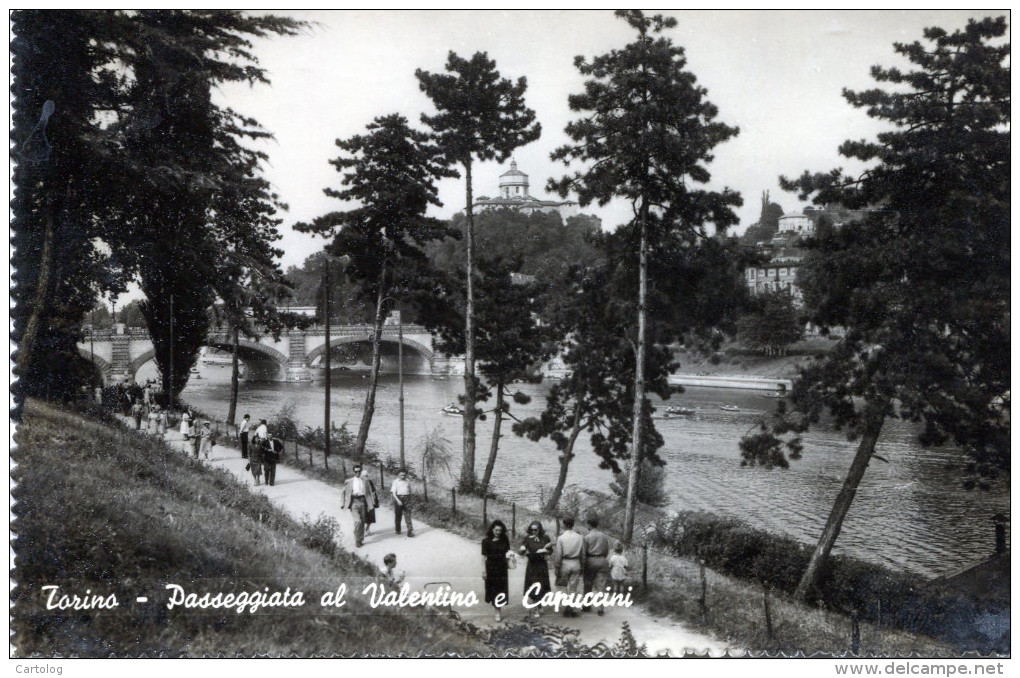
40,302
639,383
366,416
494,447
467,467
873,420
565,459
232,411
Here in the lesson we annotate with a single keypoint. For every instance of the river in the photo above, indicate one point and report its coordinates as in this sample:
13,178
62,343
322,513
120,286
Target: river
910,513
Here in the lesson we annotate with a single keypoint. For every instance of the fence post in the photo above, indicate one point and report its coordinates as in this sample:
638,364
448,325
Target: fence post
768,612
296,458
557,526
311,461
703,602
855,634
485,510
513,519
382,475
453,495
644,565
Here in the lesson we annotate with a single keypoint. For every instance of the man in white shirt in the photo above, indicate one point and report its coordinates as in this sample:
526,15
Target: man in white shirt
358,494
402,502
242,434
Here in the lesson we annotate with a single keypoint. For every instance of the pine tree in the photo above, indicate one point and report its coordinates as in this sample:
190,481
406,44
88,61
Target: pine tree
391,173
922,284
646,133
480,116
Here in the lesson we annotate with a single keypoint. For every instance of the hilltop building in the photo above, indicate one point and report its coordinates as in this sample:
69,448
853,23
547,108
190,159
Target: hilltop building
514,195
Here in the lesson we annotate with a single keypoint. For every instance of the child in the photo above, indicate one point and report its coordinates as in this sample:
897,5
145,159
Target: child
618,565
388,571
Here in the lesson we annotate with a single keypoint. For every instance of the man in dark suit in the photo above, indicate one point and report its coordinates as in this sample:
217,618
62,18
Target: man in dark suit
358,495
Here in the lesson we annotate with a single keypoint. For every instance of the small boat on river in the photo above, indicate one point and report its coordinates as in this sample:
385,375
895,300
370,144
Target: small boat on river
677,410
453,411
729,408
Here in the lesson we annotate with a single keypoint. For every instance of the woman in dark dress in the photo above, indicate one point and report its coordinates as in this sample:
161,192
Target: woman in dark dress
495,546
536,546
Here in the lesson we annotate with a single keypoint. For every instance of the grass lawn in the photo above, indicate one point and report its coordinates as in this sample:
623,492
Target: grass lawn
108,512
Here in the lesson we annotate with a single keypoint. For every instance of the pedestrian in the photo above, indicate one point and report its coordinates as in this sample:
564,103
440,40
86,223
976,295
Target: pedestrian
99,396
255,459
618,566
186,424
208,439
495,551
263,430
136,412
242,435
271,453
153,414
596,562
160,420
536,546
568,559
358,495
195,437
402,502
388,572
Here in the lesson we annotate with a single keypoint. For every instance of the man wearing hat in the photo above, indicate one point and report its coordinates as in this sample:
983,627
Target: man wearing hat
358,495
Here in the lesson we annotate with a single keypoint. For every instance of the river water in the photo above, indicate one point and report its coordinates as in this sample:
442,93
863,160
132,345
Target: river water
910,513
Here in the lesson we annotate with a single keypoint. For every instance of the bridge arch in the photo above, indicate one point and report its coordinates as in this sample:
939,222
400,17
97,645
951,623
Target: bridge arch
424,351
263,362
101,364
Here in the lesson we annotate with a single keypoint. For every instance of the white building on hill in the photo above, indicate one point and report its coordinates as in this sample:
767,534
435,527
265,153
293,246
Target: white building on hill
514,194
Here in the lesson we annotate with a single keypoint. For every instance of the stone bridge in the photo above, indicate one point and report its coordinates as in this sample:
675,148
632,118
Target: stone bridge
118,354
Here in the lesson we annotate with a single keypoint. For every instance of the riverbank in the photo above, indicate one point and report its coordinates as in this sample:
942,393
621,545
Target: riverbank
677,588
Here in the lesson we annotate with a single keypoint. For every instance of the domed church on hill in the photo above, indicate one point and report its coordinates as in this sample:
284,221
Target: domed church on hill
514,195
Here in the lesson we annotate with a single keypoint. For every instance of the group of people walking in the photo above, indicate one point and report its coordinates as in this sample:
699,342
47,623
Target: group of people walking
199,438
262,450
361,498
581,563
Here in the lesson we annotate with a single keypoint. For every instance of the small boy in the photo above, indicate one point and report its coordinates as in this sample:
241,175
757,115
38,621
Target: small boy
618,565
388,571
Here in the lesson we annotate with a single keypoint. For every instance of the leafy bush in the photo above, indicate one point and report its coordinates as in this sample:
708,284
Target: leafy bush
874,592
651,486
320,534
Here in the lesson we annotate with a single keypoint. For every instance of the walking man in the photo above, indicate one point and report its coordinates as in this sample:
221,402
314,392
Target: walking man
402,502
242,434
271,453
357,496
568,560
596,564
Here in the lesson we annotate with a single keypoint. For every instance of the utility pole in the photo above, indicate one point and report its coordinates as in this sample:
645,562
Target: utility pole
400,378
326,313
170,395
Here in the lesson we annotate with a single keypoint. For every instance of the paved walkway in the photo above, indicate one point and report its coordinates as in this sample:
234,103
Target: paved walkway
435,555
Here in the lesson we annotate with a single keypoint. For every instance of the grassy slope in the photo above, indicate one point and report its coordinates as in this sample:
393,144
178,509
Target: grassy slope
106,510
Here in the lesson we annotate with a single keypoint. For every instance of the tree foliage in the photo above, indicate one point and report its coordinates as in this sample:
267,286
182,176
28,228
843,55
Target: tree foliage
771,324
390,173
922,284
645,133
124,180
480,116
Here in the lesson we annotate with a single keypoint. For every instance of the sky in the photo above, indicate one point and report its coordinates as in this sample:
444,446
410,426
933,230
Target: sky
777,75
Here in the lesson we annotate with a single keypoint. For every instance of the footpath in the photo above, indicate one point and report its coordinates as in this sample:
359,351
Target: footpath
436,556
